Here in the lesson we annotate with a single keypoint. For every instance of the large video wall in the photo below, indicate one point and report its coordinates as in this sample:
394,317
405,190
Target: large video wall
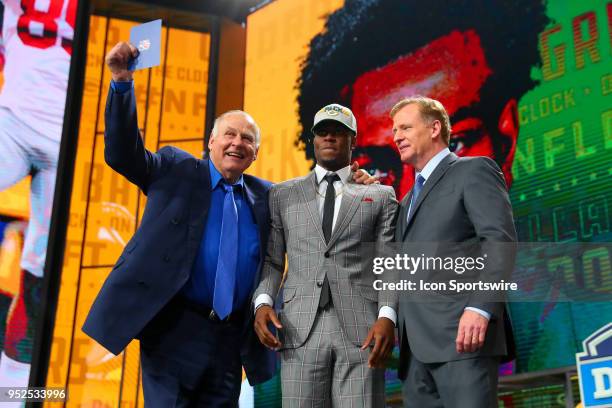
527,83
35,56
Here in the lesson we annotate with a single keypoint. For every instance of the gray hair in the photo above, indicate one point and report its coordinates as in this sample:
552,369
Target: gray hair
215,128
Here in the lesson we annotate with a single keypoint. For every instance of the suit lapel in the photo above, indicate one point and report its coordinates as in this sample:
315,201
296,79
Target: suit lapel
309,199
429,185
260,215
351,196
200,204
401,222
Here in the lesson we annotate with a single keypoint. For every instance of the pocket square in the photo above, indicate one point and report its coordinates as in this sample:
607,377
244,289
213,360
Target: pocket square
367,200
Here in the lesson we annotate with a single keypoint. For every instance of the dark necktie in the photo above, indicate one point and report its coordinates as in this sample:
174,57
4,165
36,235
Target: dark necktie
328,221
416,190
225,278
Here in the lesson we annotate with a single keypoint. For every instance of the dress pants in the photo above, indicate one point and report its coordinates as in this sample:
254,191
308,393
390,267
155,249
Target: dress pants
189,360
469,383
328,370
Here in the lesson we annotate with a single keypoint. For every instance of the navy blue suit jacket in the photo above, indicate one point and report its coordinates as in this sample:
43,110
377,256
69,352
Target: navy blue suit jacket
157,262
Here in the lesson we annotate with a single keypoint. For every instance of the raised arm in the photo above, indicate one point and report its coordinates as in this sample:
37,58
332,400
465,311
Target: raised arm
124,149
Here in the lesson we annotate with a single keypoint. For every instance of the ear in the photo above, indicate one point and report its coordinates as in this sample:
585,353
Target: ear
353,142
211,140
436,129
255,155
508,126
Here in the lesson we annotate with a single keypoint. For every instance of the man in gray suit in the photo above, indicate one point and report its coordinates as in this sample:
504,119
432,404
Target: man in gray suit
450,350
330,313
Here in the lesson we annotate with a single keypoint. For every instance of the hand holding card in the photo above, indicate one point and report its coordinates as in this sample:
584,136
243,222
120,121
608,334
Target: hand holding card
147,38
118,61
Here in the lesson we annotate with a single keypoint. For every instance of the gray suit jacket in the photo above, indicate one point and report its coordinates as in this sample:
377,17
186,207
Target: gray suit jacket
465,200
367,214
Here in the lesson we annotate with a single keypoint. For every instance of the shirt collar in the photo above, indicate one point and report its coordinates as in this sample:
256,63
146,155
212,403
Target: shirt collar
343,173
216,177
433,163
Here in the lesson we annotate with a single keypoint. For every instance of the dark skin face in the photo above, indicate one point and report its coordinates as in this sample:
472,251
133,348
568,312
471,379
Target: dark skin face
333,145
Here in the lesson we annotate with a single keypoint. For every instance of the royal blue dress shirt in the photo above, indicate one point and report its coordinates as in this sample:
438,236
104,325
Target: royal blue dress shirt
122,86
201,285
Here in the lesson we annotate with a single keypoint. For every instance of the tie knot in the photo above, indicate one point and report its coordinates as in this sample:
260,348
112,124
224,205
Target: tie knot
331,177
420,180
229,188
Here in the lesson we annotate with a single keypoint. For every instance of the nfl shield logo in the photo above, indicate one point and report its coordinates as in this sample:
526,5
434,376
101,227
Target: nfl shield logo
595,369
144,45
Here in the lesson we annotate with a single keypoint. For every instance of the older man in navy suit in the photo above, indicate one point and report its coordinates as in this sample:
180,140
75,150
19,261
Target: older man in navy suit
183,283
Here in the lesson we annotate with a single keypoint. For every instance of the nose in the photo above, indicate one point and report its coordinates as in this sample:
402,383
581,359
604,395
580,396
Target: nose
329,138
397,138
237,141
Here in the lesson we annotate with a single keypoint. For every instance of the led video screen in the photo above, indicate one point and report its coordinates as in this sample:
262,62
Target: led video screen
526,83
35,55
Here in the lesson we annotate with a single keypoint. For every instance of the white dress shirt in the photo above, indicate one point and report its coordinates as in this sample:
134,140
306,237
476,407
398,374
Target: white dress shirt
426,173
344,174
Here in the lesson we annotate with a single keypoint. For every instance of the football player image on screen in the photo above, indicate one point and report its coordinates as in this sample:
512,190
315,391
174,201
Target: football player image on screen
37,46
474,56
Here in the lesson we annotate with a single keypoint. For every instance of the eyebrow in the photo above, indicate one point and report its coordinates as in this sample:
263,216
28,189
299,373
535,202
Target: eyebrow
239,132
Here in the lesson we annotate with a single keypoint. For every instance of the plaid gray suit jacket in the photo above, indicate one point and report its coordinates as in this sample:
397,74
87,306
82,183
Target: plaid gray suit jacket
367,215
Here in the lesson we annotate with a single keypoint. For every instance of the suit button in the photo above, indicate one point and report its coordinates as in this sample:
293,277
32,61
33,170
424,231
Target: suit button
166,258
175,221
319,283
326,254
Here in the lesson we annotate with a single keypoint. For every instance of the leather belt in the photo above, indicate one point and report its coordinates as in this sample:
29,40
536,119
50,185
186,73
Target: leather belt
210,314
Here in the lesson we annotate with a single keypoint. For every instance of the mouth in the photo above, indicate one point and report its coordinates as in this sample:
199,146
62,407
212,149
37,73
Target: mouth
235,155
403,147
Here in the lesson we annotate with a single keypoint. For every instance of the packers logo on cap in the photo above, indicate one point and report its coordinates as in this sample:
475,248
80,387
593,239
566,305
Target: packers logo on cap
333,110
337,113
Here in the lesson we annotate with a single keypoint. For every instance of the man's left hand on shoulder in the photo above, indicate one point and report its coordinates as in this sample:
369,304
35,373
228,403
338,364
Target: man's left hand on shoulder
360,176
382,334
471,332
